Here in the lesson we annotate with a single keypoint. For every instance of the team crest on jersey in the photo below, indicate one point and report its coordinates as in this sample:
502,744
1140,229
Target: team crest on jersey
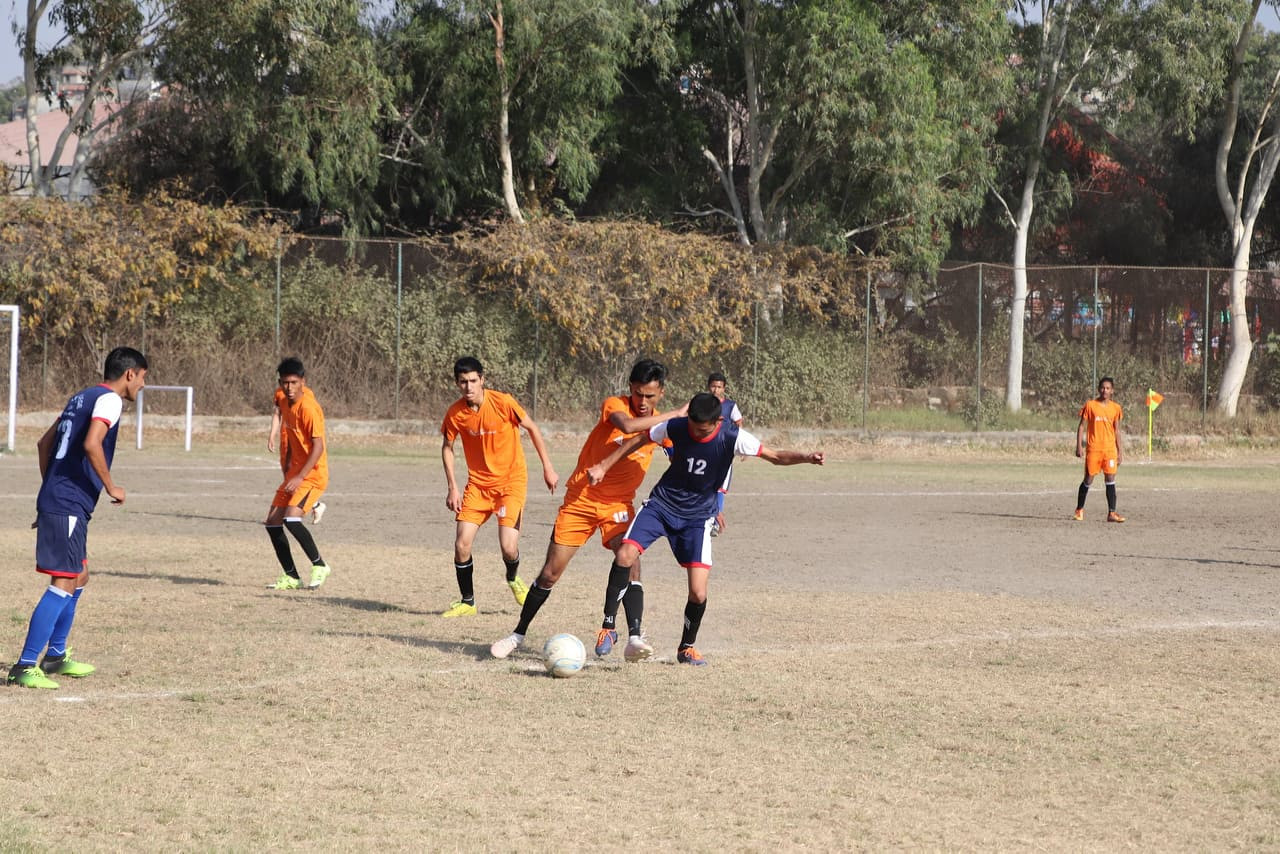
621,516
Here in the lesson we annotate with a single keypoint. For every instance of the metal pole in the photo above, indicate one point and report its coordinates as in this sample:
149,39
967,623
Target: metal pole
137,406
279,252
190,392
866,355
1096,323
399,300
978,385
755,353
1204,355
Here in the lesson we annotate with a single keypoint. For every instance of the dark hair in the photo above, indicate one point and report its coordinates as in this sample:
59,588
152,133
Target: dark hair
1106,380
704,408
647,371
466,365
291,367
122,359
716,377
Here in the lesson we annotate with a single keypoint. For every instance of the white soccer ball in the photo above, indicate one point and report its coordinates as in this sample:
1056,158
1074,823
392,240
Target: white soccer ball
565,655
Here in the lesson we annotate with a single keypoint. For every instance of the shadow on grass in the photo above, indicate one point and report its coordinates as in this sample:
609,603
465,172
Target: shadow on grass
1203,561
477,651
199,516
173,579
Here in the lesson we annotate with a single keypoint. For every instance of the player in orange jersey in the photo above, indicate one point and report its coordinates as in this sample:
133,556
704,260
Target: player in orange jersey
306,476
489,424
606,507
279,404
1100,422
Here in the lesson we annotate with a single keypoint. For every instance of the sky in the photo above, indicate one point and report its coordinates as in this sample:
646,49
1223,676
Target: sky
11,61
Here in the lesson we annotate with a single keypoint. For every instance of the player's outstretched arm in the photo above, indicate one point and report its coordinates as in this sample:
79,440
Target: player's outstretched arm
634,424
549,476
596,473
791,458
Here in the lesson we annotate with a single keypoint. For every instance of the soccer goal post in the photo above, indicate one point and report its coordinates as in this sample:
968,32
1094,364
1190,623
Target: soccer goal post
142,395
12,311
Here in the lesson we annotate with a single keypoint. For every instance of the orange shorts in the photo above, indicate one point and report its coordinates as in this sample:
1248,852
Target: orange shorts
505,502
1100,462
579,518
309,492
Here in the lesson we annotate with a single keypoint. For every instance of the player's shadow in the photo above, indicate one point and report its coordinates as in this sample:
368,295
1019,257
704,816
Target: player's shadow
1201,561
477,651
372,605
199,516
1007,515
173,579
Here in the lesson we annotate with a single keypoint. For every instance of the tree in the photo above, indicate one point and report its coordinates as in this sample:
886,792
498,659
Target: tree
274,102
850,124
1065,47
107,36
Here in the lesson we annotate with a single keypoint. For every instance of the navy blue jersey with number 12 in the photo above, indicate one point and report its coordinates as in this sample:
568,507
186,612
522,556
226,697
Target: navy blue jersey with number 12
71,486
698,468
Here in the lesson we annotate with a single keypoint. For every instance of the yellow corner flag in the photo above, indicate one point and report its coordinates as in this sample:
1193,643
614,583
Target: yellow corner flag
1154,398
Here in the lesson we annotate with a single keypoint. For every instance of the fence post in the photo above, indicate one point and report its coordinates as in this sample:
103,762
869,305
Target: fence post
866,354
399,301
977,422
279,253
1096,323
1204,355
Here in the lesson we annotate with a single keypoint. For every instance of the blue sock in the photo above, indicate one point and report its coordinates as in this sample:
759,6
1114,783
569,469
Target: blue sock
43,619
62,628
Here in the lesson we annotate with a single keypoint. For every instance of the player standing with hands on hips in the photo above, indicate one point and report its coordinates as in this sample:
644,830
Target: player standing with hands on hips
1100,422
75,467
682,506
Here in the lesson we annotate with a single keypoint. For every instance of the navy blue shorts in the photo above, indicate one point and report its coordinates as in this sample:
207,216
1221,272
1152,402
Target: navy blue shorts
61,544
690,539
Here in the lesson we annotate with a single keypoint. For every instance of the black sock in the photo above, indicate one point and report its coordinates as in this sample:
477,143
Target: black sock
529,610
1111,497
513,566
633,602
283,554
613,593
465,587
693,612
1082,495
304,538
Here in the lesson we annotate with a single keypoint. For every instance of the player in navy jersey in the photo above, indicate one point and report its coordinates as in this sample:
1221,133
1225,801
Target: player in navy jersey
719,386
75,467
682,506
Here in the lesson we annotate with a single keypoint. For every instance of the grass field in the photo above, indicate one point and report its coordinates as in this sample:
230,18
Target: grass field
907,651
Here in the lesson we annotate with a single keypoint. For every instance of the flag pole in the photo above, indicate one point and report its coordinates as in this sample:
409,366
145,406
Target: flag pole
1150,414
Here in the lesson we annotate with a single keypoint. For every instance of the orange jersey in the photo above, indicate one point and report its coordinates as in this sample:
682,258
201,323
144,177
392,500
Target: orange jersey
490,439
1102,420
303,423
620,482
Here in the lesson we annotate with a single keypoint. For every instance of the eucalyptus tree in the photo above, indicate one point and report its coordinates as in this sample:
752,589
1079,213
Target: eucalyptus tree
505,100
105,37
847,123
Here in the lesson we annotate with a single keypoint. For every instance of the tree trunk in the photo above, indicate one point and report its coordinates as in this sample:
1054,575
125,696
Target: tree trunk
504,125
1241,344
40,183
1017,308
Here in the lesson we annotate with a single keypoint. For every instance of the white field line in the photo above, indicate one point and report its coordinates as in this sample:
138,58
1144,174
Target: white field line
14,695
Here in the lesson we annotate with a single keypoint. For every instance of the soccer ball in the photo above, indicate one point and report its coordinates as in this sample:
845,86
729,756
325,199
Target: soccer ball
564,655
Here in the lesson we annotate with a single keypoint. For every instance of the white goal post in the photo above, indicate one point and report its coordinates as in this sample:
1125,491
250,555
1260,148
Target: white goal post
188,389
13,373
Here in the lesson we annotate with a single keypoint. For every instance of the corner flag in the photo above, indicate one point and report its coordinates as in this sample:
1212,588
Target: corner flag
1154,398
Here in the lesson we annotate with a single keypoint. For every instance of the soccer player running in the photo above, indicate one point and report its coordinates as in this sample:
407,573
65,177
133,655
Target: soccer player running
489,424
306,476
718,385
607,507
75,467
682,505
1100,420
